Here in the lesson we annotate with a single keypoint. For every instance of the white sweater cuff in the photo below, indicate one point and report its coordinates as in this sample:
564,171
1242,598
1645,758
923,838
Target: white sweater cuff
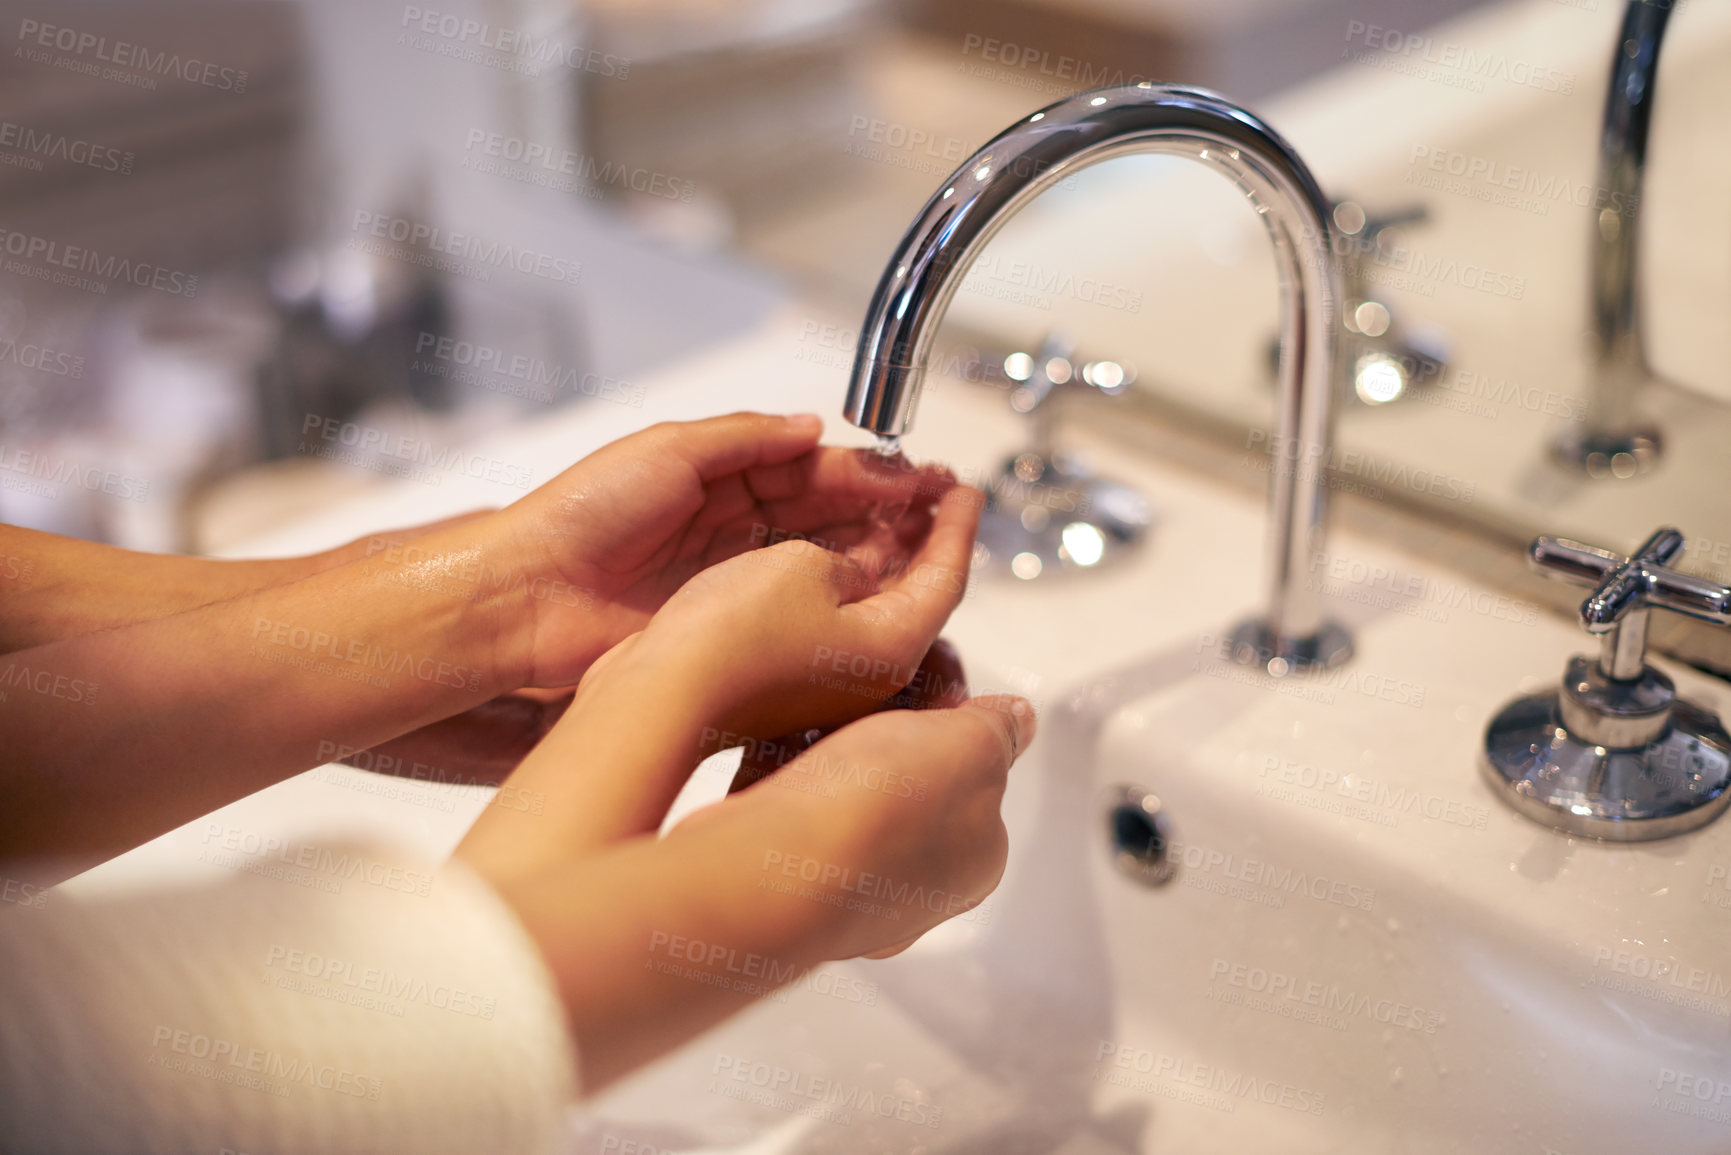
371,1003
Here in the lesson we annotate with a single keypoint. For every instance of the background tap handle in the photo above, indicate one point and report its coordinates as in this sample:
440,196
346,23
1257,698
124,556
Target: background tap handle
1623,584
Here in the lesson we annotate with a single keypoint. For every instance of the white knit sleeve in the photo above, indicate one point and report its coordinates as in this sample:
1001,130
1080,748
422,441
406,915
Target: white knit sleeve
364,1003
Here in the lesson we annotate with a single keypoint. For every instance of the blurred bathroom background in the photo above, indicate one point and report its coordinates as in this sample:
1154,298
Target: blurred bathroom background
250,249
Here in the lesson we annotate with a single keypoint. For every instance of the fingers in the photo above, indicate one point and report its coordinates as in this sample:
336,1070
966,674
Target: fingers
723,445
833,484
1004,719
939,684
930,587
946,836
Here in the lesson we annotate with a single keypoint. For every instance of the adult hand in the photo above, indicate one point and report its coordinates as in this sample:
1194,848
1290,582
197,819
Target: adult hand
750,647
634,521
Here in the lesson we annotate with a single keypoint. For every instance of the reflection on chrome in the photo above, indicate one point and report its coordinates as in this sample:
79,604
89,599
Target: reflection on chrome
1030,157
1613,442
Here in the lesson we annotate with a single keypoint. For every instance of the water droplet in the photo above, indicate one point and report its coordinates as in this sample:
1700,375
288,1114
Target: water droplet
889,445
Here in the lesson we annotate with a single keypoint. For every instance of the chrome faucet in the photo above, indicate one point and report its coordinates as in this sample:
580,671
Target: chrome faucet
1613,752
1039,151
1613,442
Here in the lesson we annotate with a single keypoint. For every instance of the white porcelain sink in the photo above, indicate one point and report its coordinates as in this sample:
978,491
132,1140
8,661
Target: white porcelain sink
1363,950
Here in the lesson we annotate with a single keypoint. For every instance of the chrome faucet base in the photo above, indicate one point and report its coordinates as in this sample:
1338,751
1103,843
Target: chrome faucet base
1049,517
1255,643
1618,455
1676,783
1614,753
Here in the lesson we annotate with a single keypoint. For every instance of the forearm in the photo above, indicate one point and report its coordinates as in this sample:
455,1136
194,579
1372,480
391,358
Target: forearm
114,737
54,587
612,766
619,931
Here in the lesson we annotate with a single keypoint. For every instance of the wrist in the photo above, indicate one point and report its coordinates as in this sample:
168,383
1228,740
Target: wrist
697,680
465,588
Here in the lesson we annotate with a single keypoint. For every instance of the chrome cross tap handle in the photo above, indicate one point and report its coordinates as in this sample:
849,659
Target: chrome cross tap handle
1047,512
1614,753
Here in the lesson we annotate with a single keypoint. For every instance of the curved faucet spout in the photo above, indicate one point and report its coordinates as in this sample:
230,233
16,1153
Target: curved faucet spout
1036,153
1613,441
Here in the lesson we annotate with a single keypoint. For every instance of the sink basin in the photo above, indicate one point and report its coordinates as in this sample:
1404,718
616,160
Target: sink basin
1362,948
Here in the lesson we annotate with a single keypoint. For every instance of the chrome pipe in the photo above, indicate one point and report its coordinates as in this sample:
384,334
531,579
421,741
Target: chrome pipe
1612,441
1039,151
